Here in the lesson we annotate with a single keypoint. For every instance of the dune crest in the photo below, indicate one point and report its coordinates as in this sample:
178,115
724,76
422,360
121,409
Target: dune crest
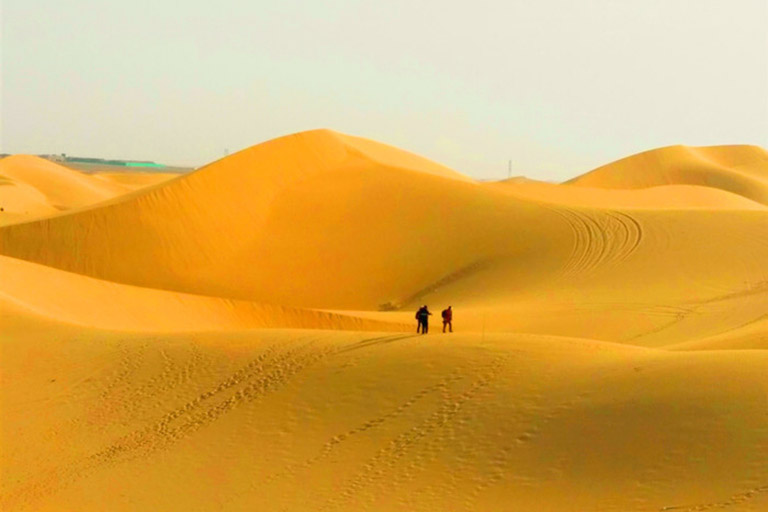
658,197
737,169
298,220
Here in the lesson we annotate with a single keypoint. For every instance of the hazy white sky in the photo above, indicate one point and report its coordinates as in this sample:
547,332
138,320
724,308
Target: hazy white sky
557,86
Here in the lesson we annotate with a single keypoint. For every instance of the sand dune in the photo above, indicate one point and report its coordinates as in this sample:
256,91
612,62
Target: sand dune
737,169
304,220
196,343
661,197
20,201
32,187
80,300
63,188
261,226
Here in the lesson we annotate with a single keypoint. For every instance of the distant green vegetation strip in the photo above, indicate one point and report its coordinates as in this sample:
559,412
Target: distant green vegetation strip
143,164
122,163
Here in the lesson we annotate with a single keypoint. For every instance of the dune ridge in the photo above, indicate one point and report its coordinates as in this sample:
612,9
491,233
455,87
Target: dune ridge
657,197
737,169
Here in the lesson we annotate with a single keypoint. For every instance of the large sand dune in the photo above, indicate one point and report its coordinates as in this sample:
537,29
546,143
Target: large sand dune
306,220
179,344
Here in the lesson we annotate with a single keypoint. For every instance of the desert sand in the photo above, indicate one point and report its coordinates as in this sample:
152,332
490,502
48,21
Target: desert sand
242,337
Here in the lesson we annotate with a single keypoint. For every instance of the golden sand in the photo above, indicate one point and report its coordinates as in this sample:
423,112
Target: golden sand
242,337
135,179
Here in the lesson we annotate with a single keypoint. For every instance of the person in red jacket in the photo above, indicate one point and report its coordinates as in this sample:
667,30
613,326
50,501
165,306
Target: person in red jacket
447,319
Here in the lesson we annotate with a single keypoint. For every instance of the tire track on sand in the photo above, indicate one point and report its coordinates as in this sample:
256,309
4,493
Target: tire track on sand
600,238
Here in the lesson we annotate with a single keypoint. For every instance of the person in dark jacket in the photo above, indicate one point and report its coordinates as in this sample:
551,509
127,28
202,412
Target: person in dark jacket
418,319
447,319
422,315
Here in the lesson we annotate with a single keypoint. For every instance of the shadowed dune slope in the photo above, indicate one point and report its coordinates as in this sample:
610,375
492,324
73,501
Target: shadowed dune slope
80,300
642,277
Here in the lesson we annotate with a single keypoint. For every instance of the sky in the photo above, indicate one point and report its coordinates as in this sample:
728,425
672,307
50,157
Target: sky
557,87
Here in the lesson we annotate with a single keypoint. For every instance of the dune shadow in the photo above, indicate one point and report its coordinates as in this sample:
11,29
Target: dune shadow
380,340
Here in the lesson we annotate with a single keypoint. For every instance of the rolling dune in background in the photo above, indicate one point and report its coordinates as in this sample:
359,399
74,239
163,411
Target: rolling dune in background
62,188
33,187
242,337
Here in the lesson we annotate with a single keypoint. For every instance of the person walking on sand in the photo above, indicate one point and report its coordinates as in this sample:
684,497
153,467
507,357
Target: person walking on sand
422,315
447,319
418,319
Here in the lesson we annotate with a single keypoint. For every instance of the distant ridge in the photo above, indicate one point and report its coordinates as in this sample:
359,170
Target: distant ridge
46,187
740,169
